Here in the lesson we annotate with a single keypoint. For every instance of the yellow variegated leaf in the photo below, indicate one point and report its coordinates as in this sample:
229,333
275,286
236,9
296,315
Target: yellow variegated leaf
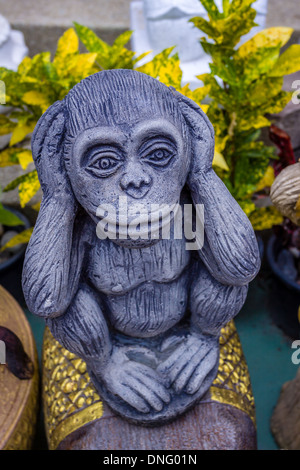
28,188
36,206
288,62
257,92
22,237
220,161
204,107
80,66
297,208
270,37
8,157
267,180
265,217
25,157
153,67
25,65
67,44
196,95
253,123
20,132
6,125
247,206
220,141
36,98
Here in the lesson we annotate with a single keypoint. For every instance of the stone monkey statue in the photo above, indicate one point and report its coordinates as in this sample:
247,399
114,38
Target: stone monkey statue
146,314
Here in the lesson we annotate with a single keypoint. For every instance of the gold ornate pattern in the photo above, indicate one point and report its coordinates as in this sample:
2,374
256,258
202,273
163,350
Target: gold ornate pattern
70,399
232,384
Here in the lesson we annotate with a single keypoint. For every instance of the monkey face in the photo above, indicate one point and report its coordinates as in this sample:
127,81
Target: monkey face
146,162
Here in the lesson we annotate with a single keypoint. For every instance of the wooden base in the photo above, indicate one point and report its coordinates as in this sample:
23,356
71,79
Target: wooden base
208,426
18,398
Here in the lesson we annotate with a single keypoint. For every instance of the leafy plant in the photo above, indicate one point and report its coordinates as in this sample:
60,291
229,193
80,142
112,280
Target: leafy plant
40,81
245,85
7,217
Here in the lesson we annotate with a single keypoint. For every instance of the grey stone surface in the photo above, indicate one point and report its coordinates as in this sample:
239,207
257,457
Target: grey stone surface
145,313
283,14
43,23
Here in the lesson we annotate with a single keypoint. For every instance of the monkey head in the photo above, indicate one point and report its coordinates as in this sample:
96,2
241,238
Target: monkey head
120,134
126,138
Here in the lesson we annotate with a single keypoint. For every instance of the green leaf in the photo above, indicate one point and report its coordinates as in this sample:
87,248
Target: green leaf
220,161
28,186
9,218
37,98
8,157
211,9
24,157
67,44
265,217
21,131
21,238
123,39
267,38
255,64
247,205
108,57
205,26
288,62
6,125
254,122
90,39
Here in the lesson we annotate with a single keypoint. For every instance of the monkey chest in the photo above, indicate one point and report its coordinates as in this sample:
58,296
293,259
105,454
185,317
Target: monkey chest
115,270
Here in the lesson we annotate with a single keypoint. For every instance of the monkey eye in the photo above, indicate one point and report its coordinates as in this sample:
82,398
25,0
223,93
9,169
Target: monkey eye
159,157
104,162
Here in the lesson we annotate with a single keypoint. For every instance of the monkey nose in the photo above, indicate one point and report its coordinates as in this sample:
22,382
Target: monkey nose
136,187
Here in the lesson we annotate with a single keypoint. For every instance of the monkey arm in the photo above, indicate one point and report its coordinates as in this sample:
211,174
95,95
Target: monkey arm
213,304
230,250
53,259
82,329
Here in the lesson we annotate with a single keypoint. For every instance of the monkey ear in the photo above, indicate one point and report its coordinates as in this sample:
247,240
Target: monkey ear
47,147
230,250
201,131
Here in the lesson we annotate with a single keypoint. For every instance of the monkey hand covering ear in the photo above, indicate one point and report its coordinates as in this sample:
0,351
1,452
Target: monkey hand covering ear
144,308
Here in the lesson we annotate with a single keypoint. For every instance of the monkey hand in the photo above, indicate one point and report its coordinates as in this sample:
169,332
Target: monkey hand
190,362
137,384
47,149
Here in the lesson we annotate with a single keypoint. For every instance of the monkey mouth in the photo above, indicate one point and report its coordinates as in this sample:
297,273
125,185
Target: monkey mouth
137,223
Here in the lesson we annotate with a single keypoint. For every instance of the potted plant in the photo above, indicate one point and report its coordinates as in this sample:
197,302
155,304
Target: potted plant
283,248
